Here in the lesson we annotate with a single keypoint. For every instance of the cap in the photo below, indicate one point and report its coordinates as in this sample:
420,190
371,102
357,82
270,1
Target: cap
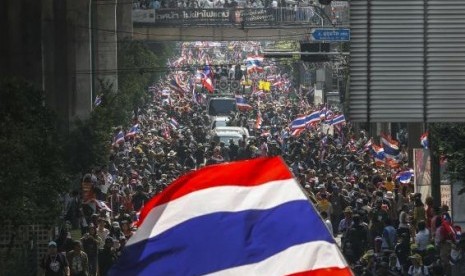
430,247
369,253
415,256
52,243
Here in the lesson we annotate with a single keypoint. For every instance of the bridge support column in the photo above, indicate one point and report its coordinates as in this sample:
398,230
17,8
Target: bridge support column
105,51
79,17
124,20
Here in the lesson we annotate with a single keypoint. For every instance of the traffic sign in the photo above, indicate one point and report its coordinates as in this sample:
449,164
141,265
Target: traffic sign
327,34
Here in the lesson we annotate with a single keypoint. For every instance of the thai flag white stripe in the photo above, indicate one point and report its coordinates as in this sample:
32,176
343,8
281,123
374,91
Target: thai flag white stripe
298,258
164,217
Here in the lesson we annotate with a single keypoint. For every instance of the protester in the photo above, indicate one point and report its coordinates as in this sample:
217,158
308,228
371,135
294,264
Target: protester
362,200
78,261
417,268
54,263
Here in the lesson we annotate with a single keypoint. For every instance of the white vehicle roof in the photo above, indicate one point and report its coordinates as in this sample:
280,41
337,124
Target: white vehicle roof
240,130
219,121
225,136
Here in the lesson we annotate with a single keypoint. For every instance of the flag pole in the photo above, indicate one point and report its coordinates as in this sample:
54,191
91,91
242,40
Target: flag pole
435,169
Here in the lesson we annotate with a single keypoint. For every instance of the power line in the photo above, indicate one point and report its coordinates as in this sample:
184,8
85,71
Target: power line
158,69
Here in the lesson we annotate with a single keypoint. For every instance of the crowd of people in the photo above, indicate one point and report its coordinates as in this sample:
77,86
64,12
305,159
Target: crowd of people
385,227
172,4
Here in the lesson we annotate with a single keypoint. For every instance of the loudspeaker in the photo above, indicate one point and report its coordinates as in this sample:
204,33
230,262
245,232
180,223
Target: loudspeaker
235,86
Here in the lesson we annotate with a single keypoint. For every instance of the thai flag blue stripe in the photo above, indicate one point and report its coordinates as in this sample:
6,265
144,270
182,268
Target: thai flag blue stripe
230,238
299,123
391,151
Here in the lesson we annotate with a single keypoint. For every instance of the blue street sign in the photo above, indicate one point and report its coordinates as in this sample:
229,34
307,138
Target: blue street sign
331,34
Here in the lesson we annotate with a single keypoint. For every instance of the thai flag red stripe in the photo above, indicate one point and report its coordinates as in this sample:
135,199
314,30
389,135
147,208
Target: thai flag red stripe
177,188
333,271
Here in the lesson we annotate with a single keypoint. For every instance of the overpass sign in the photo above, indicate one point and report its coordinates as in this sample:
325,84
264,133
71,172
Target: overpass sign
328,34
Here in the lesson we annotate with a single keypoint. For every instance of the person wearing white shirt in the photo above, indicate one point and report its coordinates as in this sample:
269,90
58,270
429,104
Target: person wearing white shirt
423,237
328,223
102,232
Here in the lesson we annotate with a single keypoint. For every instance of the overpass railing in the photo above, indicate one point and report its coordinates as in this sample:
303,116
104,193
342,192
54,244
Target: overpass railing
235,17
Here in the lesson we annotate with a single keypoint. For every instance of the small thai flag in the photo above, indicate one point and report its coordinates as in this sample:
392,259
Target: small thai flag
405,177
174,124
424,140
119,138
133,131
391,146
242,104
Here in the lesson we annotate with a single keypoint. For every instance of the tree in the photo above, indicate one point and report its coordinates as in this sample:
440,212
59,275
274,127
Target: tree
451,145
89,143
31,175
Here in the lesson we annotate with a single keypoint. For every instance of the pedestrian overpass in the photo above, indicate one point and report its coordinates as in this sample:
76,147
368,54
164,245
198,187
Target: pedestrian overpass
231,24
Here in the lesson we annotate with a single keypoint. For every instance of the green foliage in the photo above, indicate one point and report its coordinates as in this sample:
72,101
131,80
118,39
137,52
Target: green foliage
136,71
89,143
32,174
451,144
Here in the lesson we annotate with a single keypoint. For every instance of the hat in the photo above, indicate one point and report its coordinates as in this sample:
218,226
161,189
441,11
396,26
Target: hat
389,195
359,200
430,247
369,253
52,243
348,209
416,256
171,153
115,224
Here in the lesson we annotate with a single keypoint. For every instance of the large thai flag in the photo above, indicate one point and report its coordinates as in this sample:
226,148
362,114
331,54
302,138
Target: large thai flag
300,122
314,117
240,218
324,113
297,132
339,119
391,146
424,140
242,104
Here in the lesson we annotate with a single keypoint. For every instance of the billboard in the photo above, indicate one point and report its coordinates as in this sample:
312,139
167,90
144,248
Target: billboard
422,172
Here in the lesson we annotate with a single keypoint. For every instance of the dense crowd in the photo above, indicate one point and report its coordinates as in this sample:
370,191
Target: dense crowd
385,227
172,4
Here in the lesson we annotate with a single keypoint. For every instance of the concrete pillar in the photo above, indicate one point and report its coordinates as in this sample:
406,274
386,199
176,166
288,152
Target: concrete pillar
105,51
124,20
79,17
415,130
48,56
20,27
